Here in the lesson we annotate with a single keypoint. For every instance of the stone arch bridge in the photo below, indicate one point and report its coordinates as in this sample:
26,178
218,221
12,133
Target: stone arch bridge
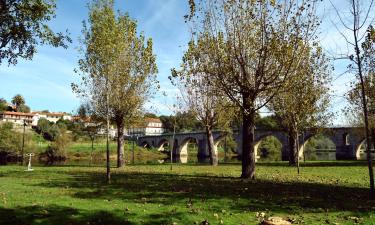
348,141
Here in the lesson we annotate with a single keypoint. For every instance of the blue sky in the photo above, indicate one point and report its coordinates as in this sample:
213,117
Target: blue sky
45,80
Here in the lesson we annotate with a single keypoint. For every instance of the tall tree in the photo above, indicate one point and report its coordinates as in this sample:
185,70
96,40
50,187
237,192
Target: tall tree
24,26
358,20
354,110
17,101
303,102
118,67
249,49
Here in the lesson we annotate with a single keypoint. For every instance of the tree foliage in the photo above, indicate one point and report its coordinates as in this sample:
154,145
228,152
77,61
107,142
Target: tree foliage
118,67
185,122
24,25
10,142
303,102
269,149
249,49
200,96
50,130
18,100
3,105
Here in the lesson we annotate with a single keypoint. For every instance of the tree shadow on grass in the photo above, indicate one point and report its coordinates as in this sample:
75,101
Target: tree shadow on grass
316,163
57,215
258,195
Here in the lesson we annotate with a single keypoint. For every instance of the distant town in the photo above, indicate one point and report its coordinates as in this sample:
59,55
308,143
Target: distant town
11,113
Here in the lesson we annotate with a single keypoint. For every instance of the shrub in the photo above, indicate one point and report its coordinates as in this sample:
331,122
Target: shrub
56,151
10,143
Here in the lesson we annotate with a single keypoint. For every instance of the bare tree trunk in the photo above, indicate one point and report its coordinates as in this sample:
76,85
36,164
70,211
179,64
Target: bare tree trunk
248,139
211,147
293,148
364,100
120,143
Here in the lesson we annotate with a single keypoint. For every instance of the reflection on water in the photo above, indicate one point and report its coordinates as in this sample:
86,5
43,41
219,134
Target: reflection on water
85,161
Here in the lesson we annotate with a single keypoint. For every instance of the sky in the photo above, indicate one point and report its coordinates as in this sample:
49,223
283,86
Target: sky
45,80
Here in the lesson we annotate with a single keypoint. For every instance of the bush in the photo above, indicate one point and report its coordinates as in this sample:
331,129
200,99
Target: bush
10,143
270,149
56,151
231,144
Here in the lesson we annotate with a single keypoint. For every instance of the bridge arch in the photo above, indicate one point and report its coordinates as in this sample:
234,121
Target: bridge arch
325,152
360,149
145,144
264,137
162,143
183,145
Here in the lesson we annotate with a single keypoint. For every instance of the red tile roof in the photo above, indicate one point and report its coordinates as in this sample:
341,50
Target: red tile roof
17,113
154,120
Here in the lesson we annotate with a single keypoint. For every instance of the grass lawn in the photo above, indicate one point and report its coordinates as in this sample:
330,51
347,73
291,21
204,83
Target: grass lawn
324,193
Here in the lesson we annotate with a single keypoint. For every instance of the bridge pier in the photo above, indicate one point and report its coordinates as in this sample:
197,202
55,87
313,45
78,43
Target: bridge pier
345,152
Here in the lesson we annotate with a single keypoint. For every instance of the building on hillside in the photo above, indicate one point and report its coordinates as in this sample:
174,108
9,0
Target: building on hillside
152,126
51,117
32,118
112,132
17,117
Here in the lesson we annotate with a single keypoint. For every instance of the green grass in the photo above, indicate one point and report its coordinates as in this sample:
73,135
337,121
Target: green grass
324,193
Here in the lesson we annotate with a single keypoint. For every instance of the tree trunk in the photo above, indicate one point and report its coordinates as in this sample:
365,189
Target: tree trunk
364,105
108,173
373,138
248,139
92,149
293,151
120,143
108,164
211,147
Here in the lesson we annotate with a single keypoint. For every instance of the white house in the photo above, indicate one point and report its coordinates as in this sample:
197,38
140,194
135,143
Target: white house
32,118
152,126
51,117
17,117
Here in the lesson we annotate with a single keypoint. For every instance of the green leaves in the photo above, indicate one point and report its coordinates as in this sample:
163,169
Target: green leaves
114,53
24,26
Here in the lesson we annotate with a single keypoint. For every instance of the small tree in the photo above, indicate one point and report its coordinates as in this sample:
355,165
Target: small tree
24,25
200,97
3,105
303,102
17,101
90,123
